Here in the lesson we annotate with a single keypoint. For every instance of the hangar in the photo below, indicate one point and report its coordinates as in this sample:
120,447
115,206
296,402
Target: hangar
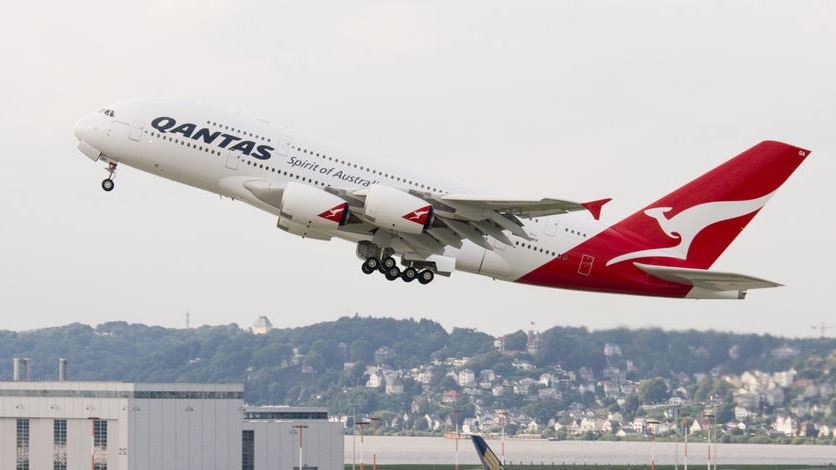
119,426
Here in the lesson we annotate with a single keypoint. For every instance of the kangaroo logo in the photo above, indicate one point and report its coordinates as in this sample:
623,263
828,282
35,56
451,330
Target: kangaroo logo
335,214
687,224
418,216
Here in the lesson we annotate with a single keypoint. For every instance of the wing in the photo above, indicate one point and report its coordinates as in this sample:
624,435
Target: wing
476,218
520,207
455,217
704,279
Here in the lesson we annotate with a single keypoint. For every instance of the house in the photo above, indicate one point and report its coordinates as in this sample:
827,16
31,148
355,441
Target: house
785,425
262,326
450,396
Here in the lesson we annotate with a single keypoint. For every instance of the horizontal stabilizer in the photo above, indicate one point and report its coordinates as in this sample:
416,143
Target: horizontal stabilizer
705,279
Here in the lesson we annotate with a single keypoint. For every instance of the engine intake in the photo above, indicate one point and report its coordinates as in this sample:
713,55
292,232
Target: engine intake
395,210
309,212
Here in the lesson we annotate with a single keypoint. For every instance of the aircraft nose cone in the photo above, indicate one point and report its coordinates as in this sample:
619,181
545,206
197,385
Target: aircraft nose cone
86,131
85,127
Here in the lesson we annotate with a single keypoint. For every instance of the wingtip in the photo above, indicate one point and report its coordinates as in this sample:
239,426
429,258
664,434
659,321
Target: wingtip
594,207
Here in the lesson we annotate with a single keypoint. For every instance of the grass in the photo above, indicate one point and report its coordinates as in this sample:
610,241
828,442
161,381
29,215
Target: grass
590,467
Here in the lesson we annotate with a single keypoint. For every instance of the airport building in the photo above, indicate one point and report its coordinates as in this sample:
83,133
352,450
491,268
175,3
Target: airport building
119,426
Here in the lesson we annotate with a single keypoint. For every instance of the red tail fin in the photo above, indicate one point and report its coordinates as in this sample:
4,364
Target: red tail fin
694,224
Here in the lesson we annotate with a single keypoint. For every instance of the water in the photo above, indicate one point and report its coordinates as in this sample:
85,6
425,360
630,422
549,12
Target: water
392,450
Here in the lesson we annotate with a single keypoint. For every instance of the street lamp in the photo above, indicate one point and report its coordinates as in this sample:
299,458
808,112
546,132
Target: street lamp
502,416
685,425
353,436
653,423
300,427
709,415
456,414
374,420
675,413
362,430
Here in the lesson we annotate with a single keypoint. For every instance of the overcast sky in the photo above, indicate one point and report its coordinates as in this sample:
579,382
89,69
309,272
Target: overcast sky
576,100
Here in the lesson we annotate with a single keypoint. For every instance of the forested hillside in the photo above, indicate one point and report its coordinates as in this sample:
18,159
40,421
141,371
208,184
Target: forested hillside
328,364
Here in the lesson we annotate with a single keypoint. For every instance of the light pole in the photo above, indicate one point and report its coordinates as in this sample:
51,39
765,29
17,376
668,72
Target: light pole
715,442
675,413
653,423
709,415
502,416
456,415
353,435
685,425
374,420
300,427
362,429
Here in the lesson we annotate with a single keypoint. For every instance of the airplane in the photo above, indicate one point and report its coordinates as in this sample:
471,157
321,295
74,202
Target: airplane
408,223
488,458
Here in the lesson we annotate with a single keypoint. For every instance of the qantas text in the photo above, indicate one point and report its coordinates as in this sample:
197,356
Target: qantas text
168,125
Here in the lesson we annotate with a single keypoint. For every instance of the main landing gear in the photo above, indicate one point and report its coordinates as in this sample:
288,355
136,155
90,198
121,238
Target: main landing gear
108,183
389,267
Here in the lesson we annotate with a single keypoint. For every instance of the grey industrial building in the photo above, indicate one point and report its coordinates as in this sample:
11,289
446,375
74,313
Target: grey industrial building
120,426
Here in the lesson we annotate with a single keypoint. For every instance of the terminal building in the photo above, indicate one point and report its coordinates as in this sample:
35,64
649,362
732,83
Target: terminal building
120,426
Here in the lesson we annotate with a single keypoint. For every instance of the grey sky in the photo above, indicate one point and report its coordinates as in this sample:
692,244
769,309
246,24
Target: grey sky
577,100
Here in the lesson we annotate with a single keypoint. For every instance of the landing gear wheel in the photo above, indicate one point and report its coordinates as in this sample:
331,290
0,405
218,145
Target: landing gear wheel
409,274
388,263
392,273
371,265
107,184
426,276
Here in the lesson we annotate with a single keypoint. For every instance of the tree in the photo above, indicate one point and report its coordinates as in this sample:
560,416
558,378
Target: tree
652,391
516,341
361,350
631,406
543,410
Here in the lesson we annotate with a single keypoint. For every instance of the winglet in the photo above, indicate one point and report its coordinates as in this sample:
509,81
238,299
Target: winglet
594,207
486,455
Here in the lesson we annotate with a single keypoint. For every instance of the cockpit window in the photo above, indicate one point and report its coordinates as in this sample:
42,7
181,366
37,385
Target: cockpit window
107,112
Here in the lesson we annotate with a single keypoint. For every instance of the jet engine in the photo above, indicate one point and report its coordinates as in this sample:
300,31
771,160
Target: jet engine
395,210
310,212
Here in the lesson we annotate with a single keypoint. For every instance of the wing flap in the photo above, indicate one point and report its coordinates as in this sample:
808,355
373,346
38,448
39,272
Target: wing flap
705,279
519,207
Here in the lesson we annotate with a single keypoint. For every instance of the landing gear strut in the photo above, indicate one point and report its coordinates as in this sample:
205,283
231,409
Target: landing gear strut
389,267
108,183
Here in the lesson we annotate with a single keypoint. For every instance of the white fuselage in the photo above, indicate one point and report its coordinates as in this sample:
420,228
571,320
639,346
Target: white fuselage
219,152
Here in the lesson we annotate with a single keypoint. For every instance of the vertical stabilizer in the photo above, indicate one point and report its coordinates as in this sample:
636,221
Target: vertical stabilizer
692,226
486,455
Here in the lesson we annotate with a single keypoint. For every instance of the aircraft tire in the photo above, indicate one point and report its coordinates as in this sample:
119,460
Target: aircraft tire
426,276
388,263
367,269
371,263
409,274
392,273
108,185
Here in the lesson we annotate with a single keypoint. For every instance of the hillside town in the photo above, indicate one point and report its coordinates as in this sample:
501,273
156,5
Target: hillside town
537,401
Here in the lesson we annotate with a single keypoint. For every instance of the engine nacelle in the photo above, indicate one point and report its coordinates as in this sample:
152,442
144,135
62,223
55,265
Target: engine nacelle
393,209
308,212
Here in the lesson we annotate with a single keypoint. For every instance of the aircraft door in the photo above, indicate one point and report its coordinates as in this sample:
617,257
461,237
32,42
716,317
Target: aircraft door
232,160
136,131
550,227
284,146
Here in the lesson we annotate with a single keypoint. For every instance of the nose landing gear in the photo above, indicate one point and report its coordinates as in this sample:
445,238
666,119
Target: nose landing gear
108,183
